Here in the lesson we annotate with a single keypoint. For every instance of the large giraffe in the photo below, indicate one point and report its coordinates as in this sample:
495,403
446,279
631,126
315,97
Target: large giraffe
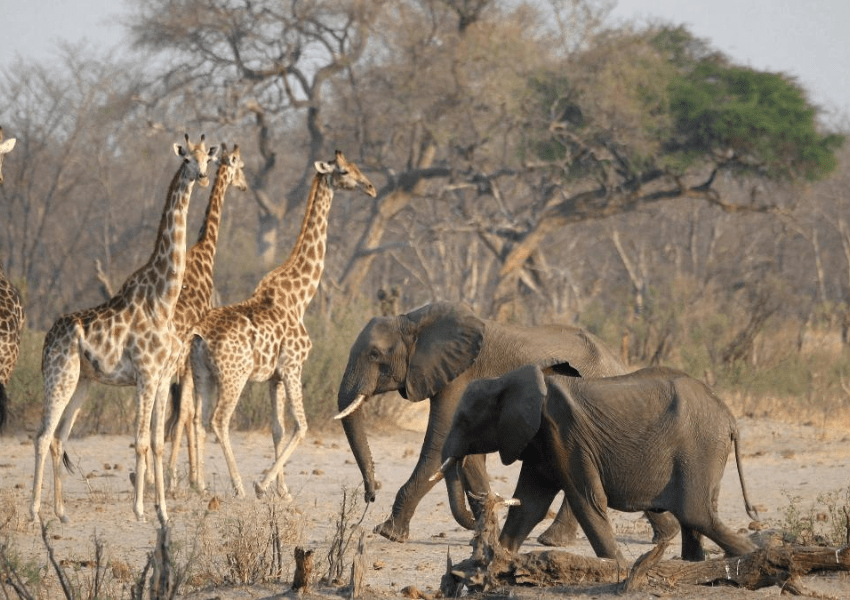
194,302
11,313
128,340
264,339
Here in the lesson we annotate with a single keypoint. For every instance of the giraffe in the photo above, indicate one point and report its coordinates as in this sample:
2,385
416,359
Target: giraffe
194,301
11,313
128,340
263,338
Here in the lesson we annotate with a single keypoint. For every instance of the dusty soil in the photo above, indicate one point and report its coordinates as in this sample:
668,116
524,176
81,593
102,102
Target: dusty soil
781,461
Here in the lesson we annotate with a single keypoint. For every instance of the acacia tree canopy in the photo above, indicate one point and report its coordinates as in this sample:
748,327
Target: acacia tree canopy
761,118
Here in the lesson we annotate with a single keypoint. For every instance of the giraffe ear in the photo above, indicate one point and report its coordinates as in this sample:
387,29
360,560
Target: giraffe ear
178,150
6,147
323,167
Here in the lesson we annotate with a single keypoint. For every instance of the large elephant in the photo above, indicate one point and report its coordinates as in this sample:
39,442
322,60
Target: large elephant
652,440
434,352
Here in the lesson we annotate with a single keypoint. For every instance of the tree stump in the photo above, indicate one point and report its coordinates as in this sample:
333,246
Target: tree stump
303,569
358,567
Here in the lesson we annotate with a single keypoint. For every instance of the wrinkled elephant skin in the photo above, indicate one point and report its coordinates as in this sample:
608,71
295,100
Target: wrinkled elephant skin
652,440
434,352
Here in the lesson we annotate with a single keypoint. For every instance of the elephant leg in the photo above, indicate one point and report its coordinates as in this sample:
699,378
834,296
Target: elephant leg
563,530
397,526
590,506
535,494
664,525
692,545
701,517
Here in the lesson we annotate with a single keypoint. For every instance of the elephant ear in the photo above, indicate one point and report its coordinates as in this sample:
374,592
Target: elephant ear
447,340
521,406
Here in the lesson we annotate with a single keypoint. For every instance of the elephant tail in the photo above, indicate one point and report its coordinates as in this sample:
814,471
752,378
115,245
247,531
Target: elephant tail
751,511
175,392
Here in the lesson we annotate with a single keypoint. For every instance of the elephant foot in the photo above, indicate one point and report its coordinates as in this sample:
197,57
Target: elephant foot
393,533
558,534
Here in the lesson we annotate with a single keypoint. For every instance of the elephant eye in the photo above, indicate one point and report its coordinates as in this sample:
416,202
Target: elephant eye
374,354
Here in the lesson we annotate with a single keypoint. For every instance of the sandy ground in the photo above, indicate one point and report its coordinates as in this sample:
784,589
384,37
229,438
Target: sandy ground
780,462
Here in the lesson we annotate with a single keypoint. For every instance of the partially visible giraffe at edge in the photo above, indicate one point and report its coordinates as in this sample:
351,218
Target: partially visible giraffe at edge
194,302
264,338
11,313
128,340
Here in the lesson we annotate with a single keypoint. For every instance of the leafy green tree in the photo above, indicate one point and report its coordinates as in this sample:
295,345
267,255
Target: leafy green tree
641,117
760,119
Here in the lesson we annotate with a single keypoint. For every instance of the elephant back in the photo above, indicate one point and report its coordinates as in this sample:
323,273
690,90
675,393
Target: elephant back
507,347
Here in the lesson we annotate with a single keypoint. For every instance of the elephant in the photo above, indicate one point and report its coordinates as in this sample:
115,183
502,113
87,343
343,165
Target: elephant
652,440
434,352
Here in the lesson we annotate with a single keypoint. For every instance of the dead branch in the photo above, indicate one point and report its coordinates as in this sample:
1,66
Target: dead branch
490,566
781,566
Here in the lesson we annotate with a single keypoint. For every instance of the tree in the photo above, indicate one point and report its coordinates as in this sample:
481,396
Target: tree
74,193
254,66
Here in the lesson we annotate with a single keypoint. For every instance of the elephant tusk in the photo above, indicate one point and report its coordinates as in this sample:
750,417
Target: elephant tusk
450,462
360,399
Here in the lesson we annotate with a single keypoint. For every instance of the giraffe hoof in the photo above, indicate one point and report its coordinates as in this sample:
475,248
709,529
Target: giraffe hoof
258,489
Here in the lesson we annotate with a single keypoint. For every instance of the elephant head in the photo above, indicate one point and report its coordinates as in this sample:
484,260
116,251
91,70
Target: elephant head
416,354
497,415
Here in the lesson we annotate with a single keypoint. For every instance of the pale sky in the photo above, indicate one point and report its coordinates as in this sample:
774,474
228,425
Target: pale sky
808,39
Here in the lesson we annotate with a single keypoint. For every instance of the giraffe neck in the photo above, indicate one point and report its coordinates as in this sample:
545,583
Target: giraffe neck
208,235
298,277
163,273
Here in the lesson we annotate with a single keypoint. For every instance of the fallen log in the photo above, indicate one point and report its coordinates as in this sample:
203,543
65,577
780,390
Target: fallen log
489,567
763,568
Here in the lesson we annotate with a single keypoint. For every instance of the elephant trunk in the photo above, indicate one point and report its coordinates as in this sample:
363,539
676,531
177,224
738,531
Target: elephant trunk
457,497
355,431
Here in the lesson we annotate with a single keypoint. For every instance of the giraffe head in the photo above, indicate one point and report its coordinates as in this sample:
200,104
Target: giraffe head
345,175
196,158
5,148
233,159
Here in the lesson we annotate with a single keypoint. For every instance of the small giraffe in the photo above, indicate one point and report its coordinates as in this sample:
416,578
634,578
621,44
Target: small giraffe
128,340
194,302
264,339
11,313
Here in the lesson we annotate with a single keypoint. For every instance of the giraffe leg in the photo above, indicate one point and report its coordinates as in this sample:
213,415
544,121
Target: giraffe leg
57,446
206,393
184,420
292,384
187,417
61,373
277,394
158,443
146,391
223,412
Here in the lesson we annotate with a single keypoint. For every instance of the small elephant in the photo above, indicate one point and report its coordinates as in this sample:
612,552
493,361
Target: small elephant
434,352
653,440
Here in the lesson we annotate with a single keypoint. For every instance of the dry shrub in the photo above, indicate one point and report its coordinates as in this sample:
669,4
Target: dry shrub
240,548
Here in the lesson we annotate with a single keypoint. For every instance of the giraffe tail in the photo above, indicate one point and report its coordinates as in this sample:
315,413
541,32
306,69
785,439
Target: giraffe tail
174,417
66,460
4,404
